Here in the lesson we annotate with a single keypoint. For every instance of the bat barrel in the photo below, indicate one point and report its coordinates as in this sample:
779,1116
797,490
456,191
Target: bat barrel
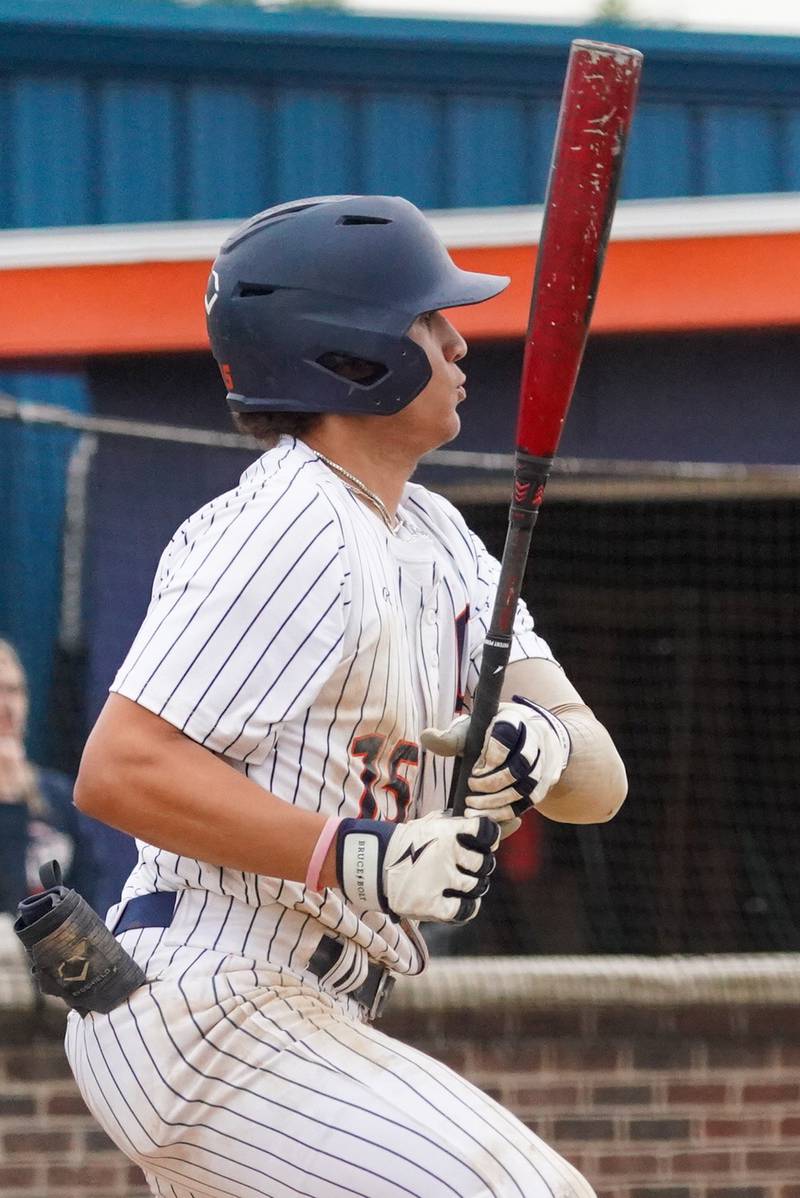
595,115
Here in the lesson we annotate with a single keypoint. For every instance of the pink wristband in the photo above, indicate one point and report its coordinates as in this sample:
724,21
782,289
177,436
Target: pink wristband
321,851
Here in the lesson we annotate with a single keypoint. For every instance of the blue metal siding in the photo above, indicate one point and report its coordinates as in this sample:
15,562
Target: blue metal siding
740,150
131,113
659,161
791,149
229,151
6,155
140,152
118,151
538,148
49,160
403,146
317,143
486,138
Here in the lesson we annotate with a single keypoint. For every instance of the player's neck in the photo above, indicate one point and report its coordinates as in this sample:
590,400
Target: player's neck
380,467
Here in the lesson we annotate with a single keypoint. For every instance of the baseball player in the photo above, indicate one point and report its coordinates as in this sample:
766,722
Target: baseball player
280,739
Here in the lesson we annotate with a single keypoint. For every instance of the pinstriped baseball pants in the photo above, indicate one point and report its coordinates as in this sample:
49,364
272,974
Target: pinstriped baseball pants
225,1081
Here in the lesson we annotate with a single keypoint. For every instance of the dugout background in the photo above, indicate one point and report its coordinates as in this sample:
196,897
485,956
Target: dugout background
674,616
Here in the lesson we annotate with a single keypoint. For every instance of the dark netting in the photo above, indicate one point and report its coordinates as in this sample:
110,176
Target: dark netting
678,622
676,617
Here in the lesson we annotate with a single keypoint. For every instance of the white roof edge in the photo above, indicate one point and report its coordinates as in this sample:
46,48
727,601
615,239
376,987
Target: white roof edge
191,241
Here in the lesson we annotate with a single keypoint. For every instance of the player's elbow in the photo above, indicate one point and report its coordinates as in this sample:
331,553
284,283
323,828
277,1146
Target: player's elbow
605,804
117,759
602,800
594,785
96,783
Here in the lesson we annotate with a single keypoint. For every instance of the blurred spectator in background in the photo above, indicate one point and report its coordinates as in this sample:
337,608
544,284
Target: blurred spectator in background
38,822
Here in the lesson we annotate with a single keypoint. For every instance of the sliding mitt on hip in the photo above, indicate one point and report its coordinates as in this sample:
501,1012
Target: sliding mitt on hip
71,951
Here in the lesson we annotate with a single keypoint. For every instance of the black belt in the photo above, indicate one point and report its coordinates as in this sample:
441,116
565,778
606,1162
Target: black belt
157,909
147,911
373,992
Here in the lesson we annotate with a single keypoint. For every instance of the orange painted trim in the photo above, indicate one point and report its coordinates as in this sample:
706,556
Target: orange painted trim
665,285
668,285
143,307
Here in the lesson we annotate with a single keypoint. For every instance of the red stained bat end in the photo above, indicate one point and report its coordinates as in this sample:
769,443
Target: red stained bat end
596,109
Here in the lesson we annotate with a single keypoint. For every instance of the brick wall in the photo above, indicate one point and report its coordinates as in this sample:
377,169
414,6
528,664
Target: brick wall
698,1101
49,1143
702,1102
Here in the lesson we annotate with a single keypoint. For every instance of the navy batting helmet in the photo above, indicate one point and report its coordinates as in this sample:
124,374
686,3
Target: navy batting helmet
309,305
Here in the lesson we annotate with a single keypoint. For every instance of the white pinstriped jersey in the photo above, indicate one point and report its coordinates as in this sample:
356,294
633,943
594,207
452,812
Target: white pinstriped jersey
292,634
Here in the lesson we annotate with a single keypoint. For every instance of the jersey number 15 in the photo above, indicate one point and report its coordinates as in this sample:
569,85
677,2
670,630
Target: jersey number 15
370,748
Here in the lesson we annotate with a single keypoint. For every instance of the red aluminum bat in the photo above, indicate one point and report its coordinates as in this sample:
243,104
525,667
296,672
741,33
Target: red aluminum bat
596,109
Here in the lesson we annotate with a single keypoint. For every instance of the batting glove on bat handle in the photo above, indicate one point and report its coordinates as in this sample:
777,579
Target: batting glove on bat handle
436,868
524,754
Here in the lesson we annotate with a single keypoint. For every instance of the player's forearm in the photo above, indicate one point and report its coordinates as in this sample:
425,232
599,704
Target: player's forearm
143,776
594,784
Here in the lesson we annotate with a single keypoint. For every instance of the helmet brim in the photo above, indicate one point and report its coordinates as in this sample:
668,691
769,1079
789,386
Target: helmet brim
464,288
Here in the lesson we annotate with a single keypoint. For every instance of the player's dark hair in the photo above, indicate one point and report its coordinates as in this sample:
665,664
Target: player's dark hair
267,427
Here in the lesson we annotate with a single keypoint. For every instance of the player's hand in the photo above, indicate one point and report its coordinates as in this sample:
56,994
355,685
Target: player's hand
436,868
524,754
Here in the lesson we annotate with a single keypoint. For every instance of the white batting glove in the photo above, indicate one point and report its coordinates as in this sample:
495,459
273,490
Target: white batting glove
524,754
436,868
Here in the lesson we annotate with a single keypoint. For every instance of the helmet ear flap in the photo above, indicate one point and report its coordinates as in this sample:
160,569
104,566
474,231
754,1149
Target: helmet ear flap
360,371
369,372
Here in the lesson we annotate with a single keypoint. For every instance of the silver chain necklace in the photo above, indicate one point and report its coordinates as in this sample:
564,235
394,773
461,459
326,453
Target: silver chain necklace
357,487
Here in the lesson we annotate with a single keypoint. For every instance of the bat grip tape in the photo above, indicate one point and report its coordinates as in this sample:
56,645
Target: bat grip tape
530,477
496,650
